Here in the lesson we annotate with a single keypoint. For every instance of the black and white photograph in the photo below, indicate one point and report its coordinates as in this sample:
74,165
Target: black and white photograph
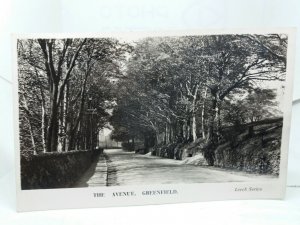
150,112
132,110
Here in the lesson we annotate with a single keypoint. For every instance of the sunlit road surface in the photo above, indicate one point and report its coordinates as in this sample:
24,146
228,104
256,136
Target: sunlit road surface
118,167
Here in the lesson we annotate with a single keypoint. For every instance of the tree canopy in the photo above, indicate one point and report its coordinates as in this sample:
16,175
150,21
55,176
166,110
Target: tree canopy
157,90
179,89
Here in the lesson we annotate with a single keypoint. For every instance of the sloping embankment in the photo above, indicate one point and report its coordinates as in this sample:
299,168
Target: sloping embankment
255,152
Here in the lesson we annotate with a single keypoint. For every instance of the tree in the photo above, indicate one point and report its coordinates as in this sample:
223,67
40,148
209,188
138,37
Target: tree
177,87
54,59
58,78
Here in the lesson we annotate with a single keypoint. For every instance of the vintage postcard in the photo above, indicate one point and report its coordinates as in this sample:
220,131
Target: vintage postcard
151,118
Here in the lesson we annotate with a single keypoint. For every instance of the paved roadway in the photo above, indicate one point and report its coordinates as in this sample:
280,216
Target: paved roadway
118,167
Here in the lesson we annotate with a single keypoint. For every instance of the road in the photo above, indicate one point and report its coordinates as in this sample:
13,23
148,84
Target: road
117,167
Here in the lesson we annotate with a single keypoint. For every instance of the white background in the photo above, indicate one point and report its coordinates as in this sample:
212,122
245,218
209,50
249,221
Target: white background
28,16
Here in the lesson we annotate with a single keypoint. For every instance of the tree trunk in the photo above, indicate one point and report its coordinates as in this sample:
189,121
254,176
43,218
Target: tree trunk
55,78
218,120
64,118
29,124
156,138
194,127
52,133
67,140
209,154
211,130
183,128
133,143
188,130
32,138
73,132
203,116
43,112
61,127
171,133
180,137
43,125
167,138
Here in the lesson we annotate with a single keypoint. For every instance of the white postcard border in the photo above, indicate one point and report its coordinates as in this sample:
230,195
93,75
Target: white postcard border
44,199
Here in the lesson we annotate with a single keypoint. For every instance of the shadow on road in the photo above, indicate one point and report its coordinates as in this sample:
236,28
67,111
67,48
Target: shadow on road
82,182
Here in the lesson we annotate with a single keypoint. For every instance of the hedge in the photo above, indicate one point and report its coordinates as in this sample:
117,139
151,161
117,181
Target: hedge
55,170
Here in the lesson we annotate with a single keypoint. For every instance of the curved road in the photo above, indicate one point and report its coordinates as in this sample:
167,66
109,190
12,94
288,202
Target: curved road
117,167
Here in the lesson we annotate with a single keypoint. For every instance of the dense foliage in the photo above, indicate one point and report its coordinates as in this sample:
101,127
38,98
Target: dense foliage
65,91
180,89
158,91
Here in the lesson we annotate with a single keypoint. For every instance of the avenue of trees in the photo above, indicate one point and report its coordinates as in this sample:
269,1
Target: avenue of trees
65,91
157,91
182,89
